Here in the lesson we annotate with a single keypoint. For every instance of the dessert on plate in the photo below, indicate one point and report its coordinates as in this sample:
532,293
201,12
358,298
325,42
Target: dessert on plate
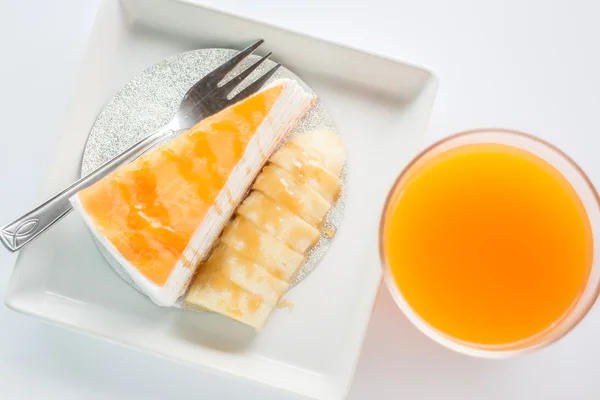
264,245
159,216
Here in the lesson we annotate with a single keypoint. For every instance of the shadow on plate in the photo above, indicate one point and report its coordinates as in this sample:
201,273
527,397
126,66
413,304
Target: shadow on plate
212,330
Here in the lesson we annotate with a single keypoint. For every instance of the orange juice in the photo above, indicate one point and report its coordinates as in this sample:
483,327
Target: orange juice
487,243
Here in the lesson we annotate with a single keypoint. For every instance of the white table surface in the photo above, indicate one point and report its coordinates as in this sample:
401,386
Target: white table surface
528,65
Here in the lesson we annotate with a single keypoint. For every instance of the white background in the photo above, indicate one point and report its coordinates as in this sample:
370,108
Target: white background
528,65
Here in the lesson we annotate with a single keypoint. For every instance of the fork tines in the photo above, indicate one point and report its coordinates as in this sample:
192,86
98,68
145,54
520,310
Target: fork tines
257,84
208,87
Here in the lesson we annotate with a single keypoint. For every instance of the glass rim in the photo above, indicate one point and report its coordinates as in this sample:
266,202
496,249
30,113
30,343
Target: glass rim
541,339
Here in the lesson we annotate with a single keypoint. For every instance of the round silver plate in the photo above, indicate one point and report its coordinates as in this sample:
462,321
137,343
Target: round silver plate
150,100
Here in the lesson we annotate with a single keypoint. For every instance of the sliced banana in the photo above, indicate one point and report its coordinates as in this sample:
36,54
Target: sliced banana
290,192
309,169
262,248
326,146
278,221
234,287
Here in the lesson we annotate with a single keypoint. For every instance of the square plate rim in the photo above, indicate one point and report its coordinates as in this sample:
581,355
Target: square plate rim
19,301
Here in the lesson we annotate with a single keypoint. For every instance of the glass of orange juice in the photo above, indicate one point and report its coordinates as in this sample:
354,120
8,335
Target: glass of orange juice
487,242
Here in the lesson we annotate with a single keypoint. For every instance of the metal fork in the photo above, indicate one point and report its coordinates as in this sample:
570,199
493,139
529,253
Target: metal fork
203,99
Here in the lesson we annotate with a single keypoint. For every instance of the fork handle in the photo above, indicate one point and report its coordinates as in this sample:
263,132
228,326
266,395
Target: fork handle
26,228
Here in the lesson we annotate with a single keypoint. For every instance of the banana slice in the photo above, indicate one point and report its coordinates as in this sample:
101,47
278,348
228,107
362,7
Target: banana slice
245,273
278,221
310,169
325,146
262,248
289,191
236,288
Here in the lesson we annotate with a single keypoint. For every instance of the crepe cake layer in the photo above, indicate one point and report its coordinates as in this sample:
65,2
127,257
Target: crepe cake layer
160,215
275,227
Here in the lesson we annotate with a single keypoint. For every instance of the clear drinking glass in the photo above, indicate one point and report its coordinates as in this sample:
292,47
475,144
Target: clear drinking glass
584,189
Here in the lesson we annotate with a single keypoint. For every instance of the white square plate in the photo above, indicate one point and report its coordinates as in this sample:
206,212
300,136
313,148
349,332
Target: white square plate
381,108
